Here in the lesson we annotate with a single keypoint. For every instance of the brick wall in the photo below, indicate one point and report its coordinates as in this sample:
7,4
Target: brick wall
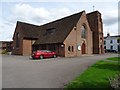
17,50
74,39
95,22
27,47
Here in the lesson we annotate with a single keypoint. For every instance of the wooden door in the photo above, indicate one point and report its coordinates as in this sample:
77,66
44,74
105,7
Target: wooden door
83,48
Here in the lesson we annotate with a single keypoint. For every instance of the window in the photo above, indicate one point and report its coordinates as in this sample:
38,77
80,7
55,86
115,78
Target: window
118,41
17,40
69,48
111,47
104,47
118,47
104,42
72,49
111,41
83,32
50,31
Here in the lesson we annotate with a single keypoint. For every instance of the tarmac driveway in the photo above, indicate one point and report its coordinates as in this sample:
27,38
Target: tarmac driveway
21,72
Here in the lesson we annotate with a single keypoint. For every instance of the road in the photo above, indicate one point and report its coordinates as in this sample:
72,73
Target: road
22,72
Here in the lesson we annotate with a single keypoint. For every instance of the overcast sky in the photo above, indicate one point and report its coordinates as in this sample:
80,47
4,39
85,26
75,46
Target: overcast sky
39,12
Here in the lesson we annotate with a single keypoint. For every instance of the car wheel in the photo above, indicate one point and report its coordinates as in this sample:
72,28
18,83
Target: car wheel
41,57
54,56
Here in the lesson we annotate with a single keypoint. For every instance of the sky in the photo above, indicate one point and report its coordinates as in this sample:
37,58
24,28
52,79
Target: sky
39,12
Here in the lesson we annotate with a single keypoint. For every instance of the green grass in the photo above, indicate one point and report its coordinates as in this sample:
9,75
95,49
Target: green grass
96,76
114,58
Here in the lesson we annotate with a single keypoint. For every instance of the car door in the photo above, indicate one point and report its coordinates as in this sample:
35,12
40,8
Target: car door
49,53
46,54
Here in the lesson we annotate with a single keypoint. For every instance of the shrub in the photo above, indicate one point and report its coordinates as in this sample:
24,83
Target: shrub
115,82
4,52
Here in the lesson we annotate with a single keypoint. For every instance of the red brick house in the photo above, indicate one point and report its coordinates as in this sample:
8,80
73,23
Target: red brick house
7,45
70,36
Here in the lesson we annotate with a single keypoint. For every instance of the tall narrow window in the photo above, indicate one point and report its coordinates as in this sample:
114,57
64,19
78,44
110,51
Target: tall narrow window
111,47
69,48
104,42
72,49
83,32
17,40
104,47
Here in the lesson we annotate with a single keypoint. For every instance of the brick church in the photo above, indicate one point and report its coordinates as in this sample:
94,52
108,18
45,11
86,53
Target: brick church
74,35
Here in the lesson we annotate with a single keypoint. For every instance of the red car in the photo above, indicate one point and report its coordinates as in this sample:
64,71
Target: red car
40,54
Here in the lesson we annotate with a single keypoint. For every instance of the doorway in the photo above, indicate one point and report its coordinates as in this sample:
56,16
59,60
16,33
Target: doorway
83,48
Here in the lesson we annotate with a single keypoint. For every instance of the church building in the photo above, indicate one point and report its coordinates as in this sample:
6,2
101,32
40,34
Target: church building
74,35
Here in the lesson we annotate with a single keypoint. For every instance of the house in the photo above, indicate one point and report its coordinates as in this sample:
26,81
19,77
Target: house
7,45
112,42
70,36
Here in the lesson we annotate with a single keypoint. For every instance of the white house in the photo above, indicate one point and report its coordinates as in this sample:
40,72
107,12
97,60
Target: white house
112,42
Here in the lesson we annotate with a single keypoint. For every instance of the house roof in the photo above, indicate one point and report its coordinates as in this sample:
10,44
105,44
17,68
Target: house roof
116,36
57,31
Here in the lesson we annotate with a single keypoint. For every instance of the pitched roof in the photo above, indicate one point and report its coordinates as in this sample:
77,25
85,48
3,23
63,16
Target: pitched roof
53,32
28,30
57,31
91,19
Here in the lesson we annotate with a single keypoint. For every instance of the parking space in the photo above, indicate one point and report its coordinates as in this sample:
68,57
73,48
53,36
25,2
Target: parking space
22,72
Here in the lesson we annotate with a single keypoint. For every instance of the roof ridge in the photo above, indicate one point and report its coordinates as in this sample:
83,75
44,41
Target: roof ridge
63,18
51,21
27,23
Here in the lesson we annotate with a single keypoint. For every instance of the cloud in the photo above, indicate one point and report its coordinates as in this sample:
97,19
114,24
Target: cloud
112,29
27,13
110,21
35,14
110,17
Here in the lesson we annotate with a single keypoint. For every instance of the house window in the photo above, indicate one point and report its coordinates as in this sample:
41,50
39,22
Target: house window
104,42
111,41
83,32
118,47
17,40
118,41
104,47
111,47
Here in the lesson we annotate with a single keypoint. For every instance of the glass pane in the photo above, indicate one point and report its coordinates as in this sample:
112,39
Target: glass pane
83,32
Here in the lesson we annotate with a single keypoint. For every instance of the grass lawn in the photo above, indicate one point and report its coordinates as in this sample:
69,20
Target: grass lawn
114,58
96,76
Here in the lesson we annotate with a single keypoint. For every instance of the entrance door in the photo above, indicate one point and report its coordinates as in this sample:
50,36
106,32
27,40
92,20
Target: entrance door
83,48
